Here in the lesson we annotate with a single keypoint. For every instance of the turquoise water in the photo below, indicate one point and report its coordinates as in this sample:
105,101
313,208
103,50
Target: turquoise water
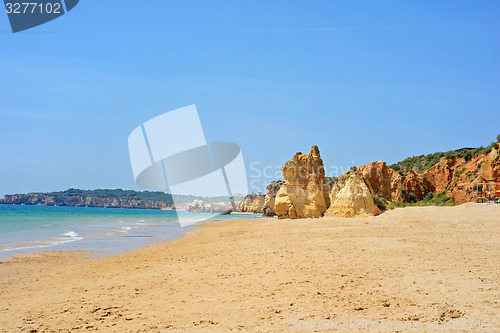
104,230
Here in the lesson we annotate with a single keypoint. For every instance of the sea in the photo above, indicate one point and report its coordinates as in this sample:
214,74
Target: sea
100,231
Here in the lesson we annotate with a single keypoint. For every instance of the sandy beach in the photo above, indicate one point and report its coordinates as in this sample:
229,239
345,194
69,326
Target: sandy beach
416,264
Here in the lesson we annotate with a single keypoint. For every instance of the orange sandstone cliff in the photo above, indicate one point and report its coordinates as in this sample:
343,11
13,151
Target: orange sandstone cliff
455,176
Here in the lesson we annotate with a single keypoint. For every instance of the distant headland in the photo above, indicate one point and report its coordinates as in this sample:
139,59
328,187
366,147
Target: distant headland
106,198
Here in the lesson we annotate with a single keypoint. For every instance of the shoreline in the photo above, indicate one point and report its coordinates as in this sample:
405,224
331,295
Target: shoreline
31,228
415,263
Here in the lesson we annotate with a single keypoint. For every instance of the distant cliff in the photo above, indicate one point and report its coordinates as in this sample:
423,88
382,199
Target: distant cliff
115,198
259,203
80,201
253,203
198,206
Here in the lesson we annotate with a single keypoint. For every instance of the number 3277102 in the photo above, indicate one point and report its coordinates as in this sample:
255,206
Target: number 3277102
33,8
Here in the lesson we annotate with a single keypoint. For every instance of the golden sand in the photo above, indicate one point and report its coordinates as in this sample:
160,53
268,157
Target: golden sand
414,264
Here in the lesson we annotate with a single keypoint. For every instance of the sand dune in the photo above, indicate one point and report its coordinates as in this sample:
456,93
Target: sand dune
412,264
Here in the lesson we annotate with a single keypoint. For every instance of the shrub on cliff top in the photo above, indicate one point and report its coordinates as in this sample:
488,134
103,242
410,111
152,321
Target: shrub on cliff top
395,167
330,180
424,162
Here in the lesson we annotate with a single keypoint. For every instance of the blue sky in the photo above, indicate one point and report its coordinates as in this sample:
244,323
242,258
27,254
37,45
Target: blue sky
363,80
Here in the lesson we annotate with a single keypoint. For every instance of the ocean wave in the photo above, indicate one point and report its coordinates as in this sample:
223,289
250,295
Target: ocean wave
67,237
70,233
26,247
125,229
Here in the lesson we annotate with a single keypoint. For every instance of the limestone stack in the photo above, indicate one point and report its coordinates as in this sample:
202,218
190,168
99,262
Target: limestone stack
270,199
353,199
304,193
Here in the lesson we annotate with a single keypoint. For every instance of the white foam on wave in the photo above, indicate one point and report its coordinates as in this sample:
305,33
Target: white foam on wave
118,231
67,237
125,229
70,233
191,220
26,247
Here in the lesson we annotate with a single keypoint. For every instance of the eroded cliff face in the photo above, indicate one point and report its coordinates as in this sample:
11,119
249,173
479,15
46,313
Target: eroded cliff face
352,199
490,168
252,203
386,183
382,181
304,193
455,176
270,199
259,203
77,201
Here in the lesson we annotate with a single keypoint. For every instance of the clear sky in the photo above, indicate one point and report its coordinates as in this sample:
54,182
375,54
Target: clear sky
363,80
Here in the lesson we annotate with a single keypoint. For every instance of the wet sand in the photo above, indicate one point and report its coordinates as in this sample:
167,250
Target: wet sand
418,264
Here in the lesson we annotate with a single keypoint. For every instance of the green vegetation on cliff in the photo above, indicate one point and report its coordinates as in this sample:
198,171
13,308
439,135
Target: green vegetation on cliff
156,196
330,180
423,162
381,203
430,199
116,194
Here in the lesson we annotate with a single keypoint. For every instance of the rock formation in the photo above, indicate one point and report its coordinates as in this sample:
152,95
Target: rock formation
455,176
252,203
270,199
353,199
490,168
304,193
259,203
198,206
80,201
382,181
